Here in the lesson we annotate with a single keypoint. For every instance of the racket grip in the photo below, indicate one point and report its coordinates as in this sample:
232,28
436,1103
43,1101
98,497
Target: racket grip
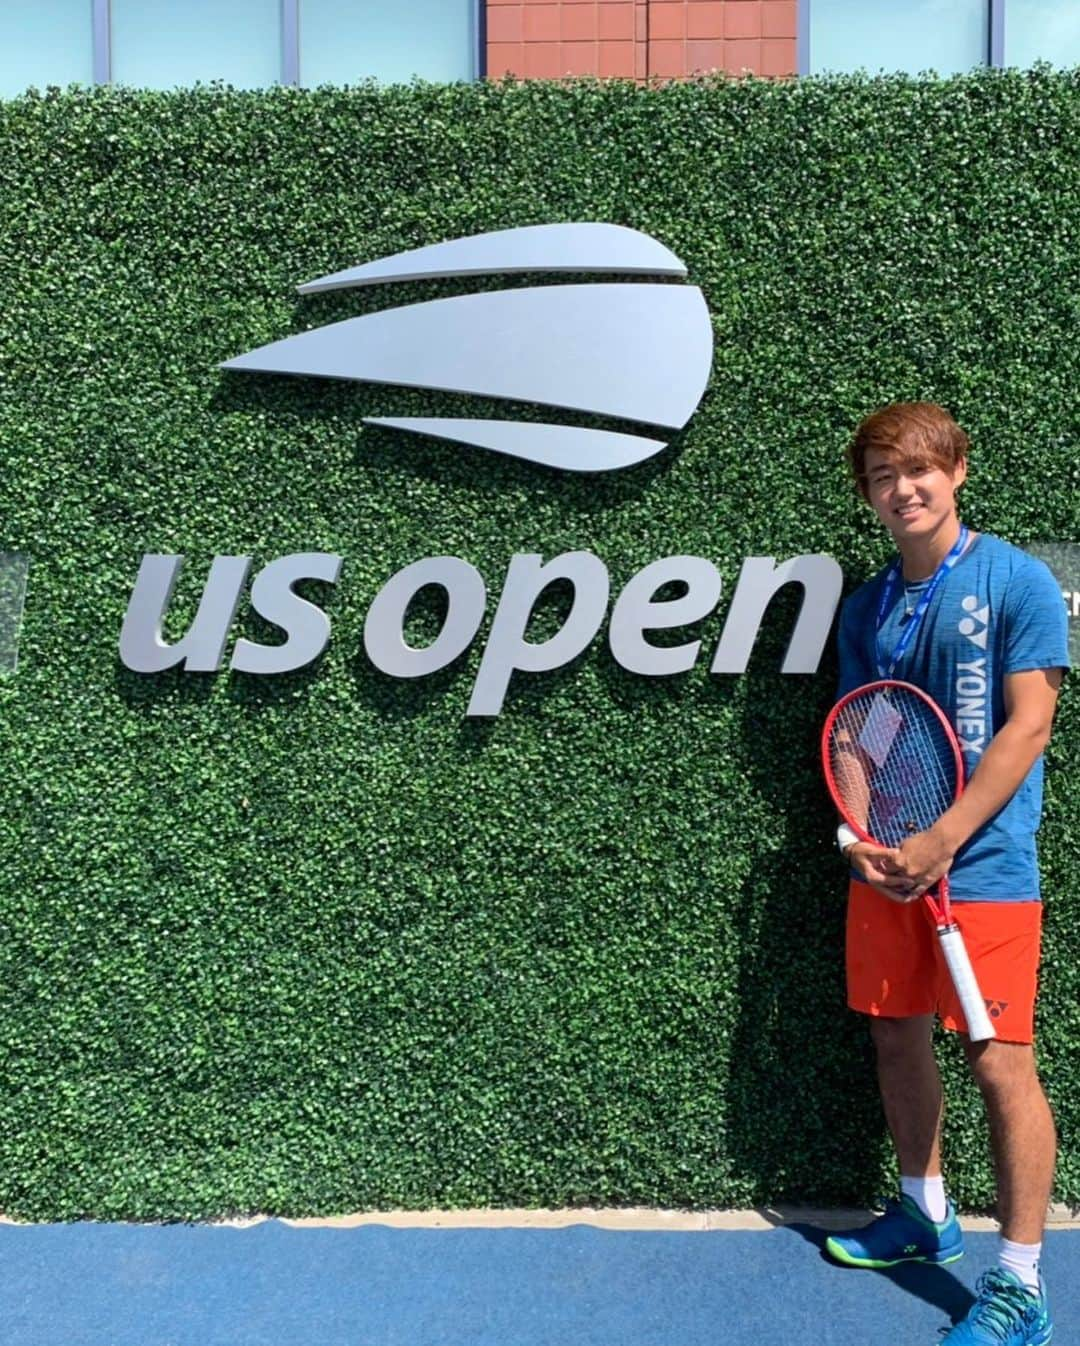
979,1026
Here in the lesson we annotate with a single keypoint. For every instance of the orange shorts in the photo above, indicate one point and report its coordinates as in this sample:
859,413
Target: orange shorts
895,967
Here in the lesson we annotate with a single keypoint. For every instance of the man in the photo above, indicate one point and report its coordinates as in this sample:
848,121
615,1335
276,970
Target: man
981,627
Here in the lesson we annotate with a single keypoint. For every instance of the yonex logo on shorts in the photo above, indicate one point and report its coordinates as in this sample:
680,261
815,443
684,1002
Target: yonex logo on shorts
996,1008
638,351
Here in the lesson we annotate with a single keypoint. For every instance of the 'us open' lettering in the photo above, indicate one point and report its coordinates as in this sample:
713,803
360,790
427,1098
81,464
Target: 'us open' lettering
508,649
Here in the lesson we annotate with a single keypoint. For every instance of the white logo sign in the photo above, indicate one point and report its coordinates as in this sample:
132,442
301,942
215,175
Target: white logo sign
508,649
976,626
635,351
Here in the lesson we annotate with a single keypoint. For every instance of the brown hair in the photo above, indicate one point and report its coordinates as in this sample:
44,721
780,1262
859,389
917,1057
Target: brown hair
916,432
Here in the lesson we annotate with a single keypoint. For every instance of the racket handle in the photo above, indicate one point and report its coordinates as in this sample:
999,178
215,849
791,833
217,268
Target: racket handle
979,1026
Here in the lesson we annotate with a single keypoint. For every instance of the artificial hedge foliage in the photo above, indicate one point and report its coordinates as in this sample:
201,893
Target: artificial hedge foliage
319,943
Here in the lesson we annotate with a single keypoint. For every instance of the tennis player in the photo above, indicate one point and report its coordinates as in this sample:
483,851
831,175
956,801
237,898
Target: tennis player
981,627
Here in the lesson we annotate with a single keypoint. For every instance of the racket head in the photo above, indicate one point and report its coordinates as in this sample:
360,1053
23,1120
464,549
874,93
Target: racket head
891,760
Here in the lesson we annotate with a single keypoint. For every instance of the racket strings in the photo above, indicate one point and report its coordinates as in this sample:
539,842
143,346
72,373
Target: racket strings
893,764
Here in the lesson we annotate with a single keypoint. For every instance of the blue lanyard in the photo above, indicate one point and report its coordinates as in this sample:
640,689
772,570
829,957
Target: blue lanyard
911,625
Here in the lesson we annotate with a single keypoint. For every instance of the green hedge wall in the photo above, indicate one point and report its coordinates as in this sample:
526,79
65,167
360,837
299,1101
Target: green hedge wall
320,943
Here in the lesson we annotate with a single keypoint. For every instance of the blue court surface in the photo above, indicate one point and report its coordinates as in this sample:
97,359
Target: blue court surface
175,1285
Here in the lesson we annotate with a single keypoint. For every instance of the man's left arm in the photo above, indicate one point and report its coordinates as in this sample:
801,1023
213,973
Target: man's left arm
1030,700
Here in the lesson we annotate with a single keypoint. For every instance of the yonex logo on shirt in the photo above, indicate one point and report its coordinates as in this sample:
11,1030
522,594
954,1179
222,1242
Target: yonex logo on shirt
975,627
971,677
971,704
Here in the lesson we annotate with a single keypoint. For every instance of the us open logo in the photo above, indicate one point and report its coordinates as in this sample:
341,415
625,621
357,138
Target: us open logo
638,351
635,351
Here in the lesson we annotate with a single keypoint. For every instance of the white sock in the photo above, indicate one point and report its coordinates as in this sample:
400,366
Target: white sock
928,1194
1022,1259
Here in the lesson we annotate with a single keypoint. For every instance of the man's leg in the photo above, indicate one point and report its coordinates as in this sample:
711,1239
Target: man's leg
1011,1302
921,1227
890,945
910,1091
1022,1134
1003,941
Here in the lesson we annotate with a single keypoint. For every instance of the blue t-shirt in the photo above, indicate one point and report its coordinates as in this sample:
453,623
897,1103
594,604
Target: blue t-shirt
998,611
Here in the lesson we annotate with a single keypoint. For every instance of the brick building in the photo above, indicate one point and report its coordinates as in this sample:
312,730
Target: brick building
255,43
640,39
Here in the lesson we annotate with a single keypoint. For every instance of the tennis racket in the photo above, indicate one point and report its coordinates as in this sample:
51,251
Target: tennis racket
893,766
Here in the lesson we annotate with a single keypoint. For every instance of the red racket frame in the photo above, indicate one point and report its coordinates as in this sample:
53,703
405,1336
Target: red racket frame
940,908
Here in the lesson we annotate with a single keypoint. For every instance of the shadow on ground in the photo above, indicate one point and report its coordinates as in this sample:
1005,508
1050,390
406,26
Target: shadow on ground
934,1285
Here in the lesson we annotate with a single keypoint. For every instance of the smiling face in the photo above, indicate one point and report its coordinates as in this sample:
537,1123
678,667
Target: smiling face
913,496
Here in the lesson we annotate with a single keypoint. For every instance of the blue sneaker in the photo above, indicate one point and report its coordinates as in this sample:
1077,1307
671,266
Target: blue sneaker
902,1234
1005,1313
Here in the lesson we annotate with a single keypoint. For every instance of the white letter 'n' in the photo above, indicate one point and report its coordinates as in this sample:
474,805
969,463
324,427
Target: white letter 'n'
759,580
